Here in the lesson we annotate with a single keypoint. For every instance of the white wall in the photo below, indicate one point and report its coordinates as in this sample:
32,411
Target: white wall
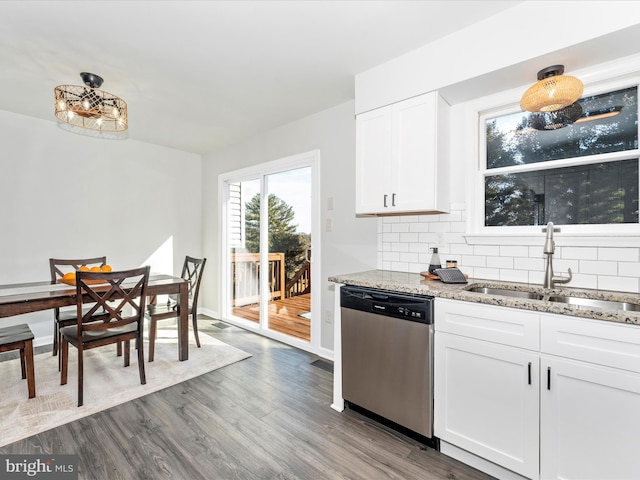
66,195
350,247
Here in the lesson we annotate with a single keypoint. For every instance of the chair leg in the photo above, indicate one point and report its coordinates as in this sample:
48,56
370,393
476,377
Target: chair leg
23,367
55,339
31,378
127,353
143,377
195,328
80,375
64,354
153,332
119,349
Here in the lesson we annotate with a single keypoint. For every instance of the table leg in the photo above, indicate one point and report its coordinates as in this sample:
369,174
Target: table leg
183,322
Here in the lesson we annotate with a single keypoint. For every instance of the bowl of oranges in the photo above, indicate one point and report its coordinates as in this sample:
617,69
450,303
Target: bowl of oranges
70,277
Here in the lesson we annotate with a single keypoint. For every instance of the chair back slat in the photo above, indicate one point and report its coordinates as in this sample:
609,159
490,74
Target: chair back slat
59,266
192,273
120,295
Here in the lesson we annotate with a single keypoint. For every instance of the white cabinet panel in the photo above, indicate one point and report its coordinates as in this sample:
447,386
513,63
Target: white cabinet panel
486,401
402,161
590,419
508,326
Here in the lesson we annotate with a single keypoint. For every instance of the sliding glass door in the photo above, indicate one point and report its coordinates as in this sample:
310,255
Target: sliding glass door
269,226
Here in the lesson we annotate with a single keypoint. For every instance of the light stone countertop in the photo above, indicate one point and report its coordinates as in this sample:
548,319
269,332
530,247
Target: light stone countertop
416,284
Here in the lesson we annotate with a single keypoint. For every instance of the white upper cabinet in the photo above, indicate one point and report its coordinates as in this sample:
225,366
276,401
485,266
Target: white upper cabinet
402,161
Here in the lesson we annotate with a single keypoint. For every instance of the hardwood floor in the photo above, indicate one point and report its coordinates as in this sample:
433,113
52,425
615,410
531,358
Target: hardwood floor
267,417
284,315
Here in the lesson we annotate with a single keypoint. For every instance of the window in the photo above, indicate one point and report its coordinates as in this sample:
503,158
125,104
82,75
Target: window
583,174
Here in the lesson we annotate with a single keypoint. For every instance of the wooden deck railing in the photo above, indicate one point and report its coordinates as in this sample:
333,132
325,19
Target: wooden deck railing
245,274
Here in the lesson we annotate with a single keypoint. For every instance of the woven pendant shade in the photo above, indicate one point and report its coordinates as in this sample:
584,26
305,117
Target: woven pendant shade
554,120
552,92
89,107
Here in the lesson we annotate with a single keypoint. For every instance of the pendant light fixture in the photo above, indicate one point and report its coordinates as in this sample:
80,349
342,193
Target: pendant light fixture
552,92
555,120
89,107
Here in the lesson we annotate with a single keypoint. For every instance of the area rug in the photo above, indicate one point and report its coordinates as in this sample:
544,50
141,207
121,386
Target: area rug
107,382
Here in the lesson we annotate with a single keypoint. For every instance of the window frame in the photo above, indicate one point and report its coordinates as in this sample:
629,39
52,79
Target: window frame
506,103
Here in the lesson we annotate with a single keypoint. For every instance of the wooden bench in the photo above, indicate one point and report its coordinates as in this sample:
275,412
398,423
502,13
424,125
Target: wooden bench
20,337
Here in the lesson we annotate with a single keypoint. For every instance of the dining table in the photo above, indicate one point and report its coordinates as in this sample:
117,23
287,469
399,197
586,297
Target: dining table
21,298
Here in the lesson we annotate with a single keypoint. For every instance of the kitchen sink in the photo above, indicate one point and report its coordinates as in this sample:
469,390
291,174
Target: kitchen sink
591,303
505,292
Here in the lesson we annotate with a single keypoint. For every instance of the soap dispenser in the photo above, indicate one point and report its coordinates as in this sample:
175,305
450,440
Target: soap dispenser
435,261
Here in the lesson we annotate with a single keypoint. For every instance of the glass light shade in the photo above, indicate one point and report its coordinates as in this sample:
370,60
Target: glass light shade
552,93
91,108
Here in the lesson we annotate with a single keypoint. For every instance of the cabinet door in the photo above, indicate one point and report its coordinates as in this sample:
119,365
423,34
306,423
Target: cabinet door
414,183
486,401
590,419
373,161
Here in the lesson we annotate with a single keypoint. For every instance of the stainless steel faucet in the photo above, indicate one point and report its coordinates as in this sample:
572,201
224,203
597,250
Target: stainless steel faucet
549,249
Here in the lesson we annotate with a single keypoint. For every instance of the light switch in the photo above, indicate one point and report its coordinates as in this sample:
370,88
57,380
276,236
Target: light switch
330,203
328,225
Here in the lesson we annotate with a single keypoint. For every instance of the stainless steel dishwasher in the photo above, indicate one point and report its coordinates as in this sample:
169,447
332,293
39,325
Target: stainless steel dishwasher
387,356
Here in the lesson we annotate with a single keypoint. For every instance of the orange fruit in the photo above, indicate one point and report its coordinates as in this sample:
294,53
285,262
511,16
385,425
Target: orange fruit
106,268
95,269
84,268
69,276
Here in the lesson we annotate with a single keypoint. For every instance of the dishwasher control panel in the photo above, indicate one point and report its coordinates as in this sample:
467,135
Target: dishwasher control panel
415,308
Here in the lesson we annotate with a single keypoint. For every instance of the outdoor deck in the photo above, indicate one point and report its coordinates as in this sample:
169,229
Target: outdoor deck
284,315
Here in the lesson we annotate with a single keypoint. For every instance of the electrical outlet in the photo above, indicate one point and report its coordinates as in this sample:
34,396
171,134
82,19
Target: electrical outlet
328,316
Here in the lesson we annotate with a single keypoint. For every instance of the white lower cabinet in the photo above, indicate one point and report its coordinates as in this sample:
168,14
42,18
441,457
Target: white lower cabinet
589,411
486,401
567,406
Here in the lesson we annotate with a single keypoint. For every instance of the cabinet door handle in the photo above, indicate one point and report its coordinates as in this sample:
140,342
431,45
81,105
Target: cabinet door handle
393,200
385,200
548,378
529,373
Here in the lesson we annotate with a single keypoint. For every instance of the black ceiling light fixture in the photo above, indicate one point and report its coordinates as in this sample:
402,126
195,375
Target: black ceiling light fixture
557,119
89,107
552,92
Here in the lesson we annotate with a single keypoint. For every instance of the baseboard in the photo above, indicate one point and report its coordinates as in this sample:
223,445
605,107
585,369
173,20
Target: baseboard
478,463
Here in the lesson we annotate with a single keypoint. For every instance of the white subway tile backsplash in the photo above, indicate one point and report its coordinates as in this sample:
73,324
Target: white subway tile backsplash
473,260
583,281
619,254
514,276
526,263
598,268
500,262
629,269
514,251
486,273
580,253
404,244
622,284
400,227
409,237
493,250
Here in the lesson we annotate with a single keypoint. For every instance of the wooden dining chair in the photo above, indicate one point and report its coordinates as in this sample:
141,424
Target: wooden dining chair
20,337
64,317
192,272
122,295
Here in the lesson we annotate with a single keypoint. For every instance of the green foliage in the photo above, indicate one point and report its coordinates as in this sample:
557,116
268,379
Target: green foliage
282,232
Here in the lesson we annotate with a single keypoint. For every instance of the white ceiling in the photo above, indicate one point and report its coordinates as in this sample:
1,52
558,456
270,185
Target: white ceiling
199,75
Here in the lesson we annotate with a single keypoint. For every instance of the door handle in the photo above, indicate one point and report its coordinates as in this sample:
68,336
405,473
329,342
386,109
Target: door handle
393,199
385,200
529,373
